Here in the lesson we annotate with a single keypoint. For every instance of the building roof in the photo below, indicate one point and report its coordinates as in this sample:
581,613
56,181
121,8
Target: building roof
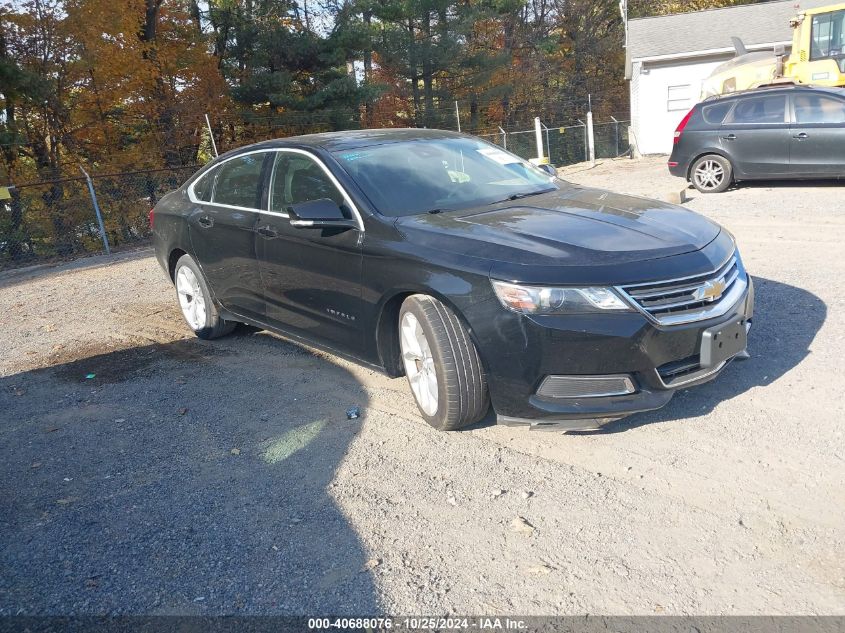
711,30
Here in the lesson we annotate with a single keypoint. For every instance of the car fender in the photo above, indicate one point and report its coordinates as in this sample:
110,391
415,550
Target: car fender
710,150
456,292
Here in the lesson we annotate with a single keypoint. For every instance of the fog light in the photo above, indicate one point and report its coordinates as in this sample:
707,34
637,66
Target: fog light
586,386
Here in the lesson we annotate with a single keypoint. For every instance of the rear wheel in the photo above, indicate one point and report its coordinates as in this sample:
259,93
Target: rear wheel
711,174
199,310
442,364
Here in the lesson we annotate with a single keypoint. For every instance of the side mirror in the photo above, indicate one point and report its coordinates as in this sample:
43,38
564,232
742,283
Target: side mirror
322,213
548,168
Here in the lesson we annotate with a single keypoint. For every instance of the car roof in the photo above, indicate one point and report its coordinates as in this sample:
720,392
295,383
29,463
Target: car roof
785,89
349,139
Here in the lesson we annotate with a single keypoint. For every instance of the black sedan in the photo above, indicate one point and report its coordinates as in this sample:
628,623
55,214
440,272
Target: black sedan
790,132
475,274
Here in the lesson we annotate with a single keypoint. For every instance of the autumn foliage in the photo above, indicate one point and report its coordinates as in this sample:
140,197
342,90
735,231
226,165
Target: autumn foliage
120,86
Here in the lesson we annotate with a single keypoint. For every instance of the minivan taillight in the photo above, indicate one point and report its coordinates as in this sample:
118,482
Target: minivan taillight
152,216
680,129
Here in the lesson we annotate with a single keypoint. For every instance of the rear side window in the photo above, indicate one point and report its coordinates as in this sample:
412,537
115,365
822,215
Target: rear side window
204,185
239,181
811,108
770,109
716,113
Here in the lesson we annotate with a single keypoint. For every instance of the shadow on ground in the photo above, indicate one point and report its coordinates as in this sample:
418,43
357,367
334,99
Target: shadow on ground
182,478
787,184
786,320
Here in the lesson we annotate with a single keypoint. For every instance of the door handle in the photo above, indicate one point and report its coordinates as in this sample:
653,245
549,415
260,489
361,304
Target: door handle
801,136
730,137
205,222
267,231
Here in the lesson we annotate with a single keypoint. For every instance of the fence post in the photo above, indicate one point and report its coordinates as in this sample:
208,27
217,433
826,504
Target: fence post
504,136
97,210
15,249
616,134
458,115
548,145
586,149
591,140
538,137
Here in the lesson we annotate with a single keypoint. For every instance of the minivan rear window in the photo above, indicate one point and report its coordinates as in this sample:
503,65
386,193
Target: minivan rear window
716,113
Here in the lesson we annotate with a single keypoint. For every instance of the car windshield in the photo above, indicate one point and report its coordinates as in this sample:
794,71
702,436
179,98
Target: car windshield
446,174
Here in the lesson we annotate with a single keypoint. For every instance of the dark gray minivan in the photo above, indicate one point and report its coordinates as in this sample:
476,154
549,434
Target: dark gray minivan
778,133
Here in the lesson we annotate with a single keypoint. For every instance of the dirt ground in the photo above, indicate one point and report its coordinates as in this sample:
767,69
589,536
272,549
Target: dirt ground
143,471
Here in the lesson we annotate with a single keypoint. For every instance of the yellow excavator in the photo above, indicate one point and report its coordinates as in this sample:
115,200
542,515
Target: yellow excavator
817,57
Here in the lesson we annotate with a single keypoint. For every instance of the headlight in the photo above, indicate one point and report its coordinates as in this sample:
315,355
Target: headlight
557,300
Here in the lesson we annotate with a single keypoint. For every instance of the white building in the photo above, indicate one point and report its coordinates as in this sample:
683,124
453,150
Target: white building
667,58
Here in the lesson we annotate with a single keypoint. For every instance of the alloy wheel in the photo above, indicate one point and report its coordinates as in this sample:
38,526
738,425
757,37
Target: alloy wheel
191,298
709,174
419,363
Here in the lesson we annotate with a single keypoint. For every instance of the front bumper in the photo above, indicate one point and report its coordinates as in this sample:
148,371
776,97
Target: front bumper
520,352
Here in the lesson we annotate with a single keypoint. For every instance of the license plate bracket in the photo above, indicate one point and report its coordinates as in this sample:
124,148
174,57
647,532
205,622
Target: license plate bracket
723,341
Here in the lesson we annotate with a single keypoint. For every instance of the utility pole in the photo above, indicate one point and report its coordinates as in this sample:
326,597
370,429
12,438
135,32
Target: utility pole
623,11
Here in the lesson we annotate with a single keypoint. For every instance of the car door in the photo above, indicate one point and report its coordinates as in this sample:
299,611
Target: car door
818,135
222,225
755,136
311,276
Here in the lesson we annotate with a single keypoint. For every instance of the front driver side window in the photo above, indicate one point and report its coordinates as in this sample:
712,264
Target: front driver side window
810,108
298,178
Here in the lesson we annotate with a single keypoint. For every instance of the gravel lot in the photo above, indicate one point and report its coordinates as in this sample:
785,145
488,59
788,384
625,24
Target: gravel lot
192,477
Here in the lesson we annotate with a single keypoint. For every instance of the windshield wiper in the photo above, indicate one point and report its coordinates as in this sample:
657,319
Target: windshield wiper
519,196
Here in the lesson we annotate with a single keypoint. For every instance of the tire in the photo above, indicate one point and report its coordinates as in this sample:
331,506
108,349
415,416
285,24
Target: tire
711,173
196,303
451,360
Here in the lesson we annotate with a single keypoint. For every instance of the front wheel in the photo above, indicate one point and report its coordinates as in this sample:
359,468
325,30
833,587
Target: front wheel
711,174
195,300
442,364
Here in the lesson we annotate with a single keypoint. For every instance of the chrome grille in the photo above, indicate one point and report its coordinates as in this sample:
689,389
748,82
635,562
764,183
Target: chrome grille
691,298
585,386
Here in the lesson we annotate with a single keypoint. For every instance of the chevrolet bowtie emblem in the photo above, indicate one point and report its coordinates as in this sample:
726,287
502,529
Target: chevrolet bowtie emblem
709,291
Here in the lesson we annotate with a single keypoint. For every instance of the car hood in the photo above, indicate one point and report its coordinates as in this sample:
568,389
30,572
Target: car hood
571,227
571,233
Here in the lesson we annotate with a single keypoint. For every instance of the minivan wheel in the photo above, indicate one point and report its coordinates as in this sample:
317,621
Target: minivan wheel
442,364
711,174
195,301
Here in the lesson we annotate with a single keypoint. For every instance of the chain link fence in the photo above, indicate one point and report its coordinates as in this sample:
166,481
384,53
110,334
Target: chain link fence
566,144
60,218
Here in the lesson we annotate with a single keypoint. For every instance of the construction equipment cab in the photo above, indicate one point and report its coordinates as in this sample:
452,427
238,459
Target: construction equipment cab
817,57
